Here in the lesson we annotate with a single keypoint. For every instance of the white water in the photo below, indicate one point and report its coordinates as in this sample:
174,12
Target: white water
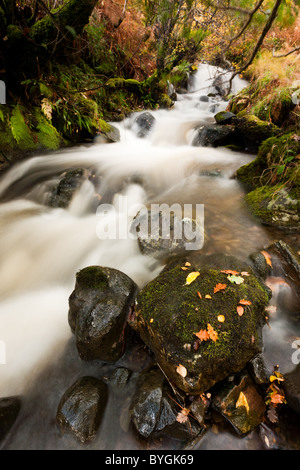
42,248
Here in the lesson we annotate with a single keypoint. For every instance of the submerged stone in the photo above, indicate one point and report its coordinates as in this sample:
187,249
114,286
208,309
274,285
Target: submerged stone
169,312
145,122
72,180
98,310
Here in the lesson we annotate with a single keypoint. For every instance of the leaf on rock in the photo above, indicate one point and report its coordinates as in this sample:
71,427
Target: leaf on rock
191,277
229,271
182,416
242,401
235,279
212,333
272,414
240,310
181,370
245,302
202,335
219,287
267,258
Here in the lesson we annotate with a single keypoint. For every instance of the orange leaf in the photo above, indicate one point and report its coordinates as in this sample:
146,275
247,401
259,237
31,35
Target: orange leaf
245,302
212,333
240,310
229,271
199,295
219,287
277,398
203,335
267,258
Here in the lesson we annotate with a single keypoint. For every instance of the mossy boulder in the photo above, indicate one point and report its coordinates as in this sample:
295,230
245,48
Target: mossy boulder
253,131
275,107
275,205
169,312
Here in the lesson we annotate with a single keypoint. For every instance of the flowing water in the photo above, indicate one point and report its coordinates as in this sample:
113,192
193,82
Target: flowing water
42,248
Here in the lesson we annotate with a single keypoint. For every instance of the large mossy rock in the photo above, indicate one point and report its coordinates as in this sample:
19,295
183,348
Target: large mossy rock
98,309
253,131
169,312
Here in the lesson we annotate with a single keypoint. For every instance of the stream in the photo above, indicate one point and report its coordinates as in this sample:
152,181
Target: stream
43,247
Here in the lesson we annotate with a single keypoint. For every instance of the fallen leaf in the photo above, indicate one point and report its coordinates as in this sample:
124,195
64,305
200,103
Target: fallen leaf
212,333
191,277
229,271
242,401
277,399
245,302
184,268
244,273
277,376
272,414
199,295
181,370
221,318
208,296
188,264
203,335
151,320
240,310
219,287
182,416
267,257
235,279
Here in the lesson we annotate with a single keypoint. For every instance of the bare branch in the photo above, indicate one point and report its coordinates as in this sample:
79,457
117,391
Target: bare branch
286,54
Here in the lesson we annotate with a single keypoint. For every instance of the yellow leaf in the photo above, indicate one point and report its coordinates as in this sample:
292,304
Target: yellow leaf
191,277
181,370
221,318
188,264
208,296
242,401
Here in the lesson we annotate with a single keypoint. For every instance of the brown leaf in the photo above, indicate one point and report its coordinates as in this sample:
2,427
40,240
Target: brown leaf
245,302
203,335
267,257
229,271
212,333
240,310
219,287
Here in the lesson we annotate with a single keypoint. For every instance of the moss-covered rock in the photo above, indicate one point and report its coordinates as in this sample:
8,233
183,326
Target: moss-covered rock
275,107
253,131
169,312
275,205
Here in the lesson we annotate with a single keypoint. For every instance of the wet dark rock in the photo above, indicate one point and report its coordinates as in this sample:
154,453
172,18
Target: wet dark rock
224,117
81,408
62,195
145,122
9,410
214,136
241,403
204,99
98,310
260,265
258,370
220,86
154,412
168,313
291,384
162,233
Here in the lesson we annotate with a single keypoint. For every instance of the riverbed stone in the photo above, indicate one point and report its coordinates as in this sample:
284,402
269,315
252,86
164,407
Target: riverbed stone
81,408
145,122
252,131
154,412
98,309
241,403
291,384
161,233
69,184
9,411
169,312
214,136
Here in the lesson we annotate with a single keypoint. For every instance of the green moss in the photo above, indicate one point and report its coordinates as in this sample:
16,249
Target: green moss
47,135
20,130
92,277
